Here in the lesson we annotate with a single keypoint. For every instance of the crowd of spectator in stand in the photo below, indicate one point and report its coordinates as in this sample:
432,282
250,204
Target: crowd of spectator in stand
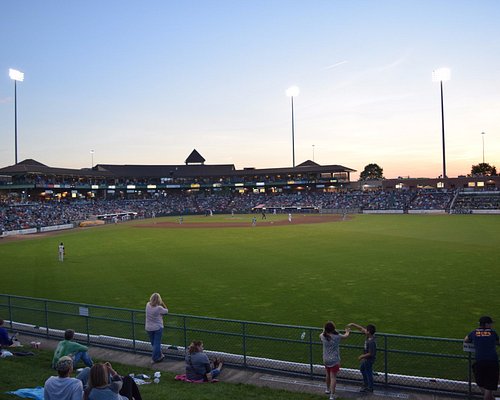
15,216
478,201
432,200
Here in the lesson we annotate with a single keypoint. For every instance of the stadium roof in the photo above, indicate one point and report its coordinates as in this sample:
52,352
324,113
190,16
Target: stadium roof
30,166
194,167
302,168
167,171
203,170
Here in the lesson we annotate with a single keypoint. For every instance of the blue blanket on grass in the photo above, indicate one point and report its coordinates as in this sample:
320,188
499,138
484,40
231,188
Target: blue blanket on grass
36,393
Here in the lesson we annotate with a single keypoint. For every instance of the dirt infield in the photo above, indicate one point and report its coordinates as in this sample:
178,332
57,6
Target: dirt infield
230,222
241,222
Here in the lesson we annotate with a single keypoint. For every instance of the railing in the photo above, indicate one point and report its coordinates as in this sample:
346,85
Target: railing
426,363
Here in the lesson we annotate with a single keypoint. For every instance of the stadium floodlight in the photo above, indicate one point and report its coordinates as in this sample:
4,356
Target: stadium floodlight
292,92
442,75
16,76
92,158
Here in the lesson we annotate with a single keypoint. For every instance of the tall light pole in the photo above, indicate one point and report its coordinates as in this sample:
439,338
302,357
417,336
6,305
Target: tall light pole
313,153
482,135
292,92
16,76
92,158
442,75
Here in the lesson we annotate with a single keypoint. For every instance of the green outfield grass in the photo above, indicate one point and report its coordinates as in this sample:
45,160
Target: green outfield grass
411,274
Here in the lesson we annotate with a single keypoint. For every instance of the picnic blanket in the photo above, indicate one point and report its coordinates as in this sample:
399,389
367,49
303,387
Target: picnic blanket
35,393
184,378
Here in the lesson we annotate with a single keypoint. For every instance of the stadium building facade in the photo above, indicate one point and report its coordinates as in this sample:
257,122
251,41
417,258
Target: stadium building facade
34,180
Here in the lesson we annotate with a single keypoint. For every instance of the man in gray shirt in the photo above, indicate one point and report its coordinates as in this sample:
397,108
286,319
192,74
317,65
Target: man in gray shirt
62,387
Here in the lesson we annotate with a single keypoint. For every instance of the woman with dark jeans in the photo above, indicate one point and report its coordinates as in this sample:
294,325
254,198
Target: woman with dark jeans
155,310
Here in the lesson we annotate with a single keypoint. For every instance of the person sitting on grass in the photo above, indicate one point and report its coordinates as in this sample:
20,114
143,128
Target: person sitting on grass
63,387
68,347
104,383
198,366
5,340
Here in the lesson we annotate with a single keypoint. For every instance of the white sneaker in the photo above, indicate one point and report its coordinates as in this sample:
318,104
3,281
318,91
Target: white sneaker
327,391
332,396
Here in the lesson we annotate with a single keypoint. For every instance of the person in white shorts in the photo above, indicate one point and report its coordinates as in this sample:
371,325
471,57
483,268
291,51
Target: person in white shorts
61,251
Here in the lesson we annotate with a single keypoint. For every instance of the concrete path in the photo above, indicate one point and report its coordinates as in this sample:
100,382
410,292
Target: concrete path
238,375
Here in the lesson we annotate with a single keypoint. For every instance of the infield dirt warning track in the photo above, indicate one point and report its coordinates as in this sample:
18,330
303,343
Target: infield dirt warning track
243,222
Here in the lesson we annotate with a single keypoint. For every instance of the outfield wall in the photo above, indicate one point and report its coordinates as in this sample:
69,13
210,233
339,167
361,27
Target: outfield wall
490,212
383,212
340,211
42,229
426,211
56,228
20,232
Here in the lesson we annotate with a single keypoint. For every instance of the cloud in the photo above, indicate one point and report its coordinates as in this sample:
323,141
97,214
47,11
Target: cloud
393,64
335,65
357,76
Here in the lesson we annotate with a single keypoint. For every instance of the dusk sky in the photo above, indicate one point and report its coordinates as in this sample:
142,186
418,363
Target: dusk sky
146,82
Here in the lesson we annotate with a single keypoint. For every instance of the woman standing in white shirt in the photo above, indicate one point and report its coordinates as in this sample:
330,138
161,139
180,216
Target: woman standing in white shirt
155,310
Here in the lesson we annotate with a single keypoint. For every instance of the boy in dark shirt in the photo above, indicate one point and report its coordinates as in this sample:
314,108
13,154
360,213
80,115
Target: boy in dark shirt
485,368
368,357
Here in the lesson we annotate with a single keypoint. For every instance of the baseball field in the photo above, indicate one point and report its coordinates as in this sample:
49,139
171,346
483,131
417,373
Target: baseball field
430,275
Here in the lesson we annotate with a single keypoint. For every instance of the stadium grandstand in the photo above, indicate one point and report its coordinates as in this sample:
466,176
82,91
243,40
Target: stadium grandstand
34,196
36,180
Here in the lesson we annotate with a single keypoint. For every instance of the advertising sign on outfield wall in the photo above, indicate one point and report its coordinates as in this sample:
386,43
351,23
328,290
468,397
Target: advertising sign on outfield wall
426,212
55,228
20,232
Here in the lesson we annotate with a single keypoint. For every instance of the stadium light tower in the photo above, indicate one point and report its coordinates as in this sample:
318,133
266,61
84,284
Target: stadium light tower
482,135
442,75
16,76
292,92
92,158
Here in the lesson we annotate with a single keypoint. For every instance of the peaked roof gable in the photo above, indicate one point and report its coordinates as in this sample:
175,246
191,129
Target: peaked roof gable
30,161
195,158
308,163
